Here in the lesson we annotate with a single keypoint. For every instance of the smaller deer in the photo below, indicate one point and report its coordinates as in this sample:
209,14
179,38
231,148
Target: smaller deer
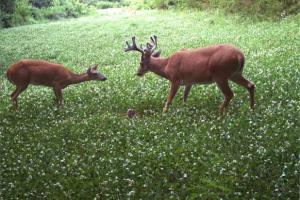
39,72
212,64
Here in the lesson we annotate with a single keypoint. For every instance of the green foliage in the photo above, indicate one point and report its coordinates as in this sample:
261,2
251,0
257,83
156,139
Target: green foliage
7,6
136,4
75,9
22,13
2,18
66,8
89,149
94,2
6,9
106,4
40,3
53,12
259,8
161,4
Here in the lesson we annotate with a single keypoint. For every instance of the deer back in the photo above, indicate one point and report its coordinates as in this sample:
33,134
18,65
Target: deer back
36,72
202,65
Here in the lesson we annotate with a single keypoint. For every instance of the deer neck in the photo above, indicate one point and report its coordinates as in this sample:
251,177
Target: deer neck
158,66
78,78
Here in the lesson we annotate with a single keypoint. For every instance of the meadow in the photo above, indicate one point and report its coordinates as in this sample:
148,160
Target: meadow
89,149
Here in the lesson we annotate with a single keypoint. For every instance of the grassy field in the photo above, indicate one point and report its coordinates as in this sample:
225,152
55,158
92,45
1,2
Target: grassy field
89,149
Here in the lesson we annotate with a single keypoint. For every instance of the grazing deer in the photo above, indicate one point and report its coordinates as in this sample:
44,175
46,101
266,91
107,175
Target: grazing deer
218,63
38,72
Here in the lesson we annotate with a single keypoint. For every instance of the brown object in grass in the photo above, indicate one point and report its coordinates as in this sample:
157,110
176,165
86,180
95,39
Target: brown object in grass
131,113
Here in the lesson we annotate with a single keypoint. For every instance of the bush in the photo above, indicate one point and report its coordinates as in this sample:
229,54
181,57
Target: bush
37,14
81,9
63,11
1,18
6,10
94,2
7,6
53,13
164,4
15,13
40,3
22,13
106,4
27,11
102,4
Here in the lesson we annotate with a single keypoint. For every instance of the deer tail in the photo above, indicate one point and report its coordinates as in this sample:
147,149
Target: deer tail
8,75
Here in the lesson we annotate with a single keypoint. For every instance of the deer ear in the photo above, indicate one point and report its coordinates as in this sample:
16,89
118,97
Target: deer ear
156,54
94,67
92,70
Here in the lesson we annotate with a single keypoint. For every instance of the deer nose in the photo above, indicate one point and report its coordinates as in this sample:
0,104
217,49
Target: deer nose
104,79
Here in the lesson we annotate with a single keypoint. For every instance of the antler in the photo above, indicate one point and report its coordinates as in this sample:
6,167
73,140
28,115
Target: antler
150,47
133,47
154,43
154,40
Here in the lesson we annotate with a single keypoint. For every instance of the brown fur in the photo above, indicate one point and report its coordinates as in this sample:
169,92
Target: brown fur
39,72
201,65
212,64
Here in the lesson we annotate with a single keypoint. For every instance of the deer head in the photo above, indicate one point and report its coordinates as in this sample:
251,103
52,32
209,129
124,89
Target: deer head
147,52
94,74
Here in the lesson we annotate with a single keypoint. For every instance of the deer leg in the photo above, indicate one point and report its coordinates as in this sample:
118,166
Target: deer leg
58,94
14,96
240,80
186,92
172,92
227,92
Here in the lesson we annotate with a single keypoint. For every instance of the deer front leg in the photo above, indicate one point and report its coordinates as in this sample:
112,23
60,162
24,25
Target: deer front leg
186,92
58,94
172,92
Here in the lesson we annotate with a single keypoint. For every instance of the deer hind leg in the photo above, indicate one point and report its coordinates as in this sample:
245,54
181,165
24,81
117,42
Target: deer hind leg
186,92
14,96
58,94
227,92
240,80
172,92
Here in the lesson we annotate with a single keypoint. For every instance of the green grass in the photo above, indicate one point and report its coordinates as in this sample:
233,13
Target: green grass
89,150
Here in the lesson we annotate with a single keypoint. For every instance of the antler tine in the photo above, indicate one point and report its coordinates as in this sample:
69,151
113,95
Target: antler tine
149,46
133,47
154,43
154,39
133,41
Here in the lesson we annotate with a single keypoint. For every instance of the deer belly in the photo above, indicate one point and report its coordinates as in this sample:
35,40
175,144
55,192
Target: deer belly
196,81
46,81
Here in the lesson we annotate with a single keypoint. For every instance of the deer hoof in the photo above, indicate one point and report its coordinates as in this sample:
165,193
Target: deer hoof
221,109
165,110
13,108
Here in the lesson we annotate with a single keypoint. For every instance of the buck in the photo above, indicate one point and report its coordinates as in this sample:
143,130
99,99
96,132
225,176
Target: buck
212,64
38,72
